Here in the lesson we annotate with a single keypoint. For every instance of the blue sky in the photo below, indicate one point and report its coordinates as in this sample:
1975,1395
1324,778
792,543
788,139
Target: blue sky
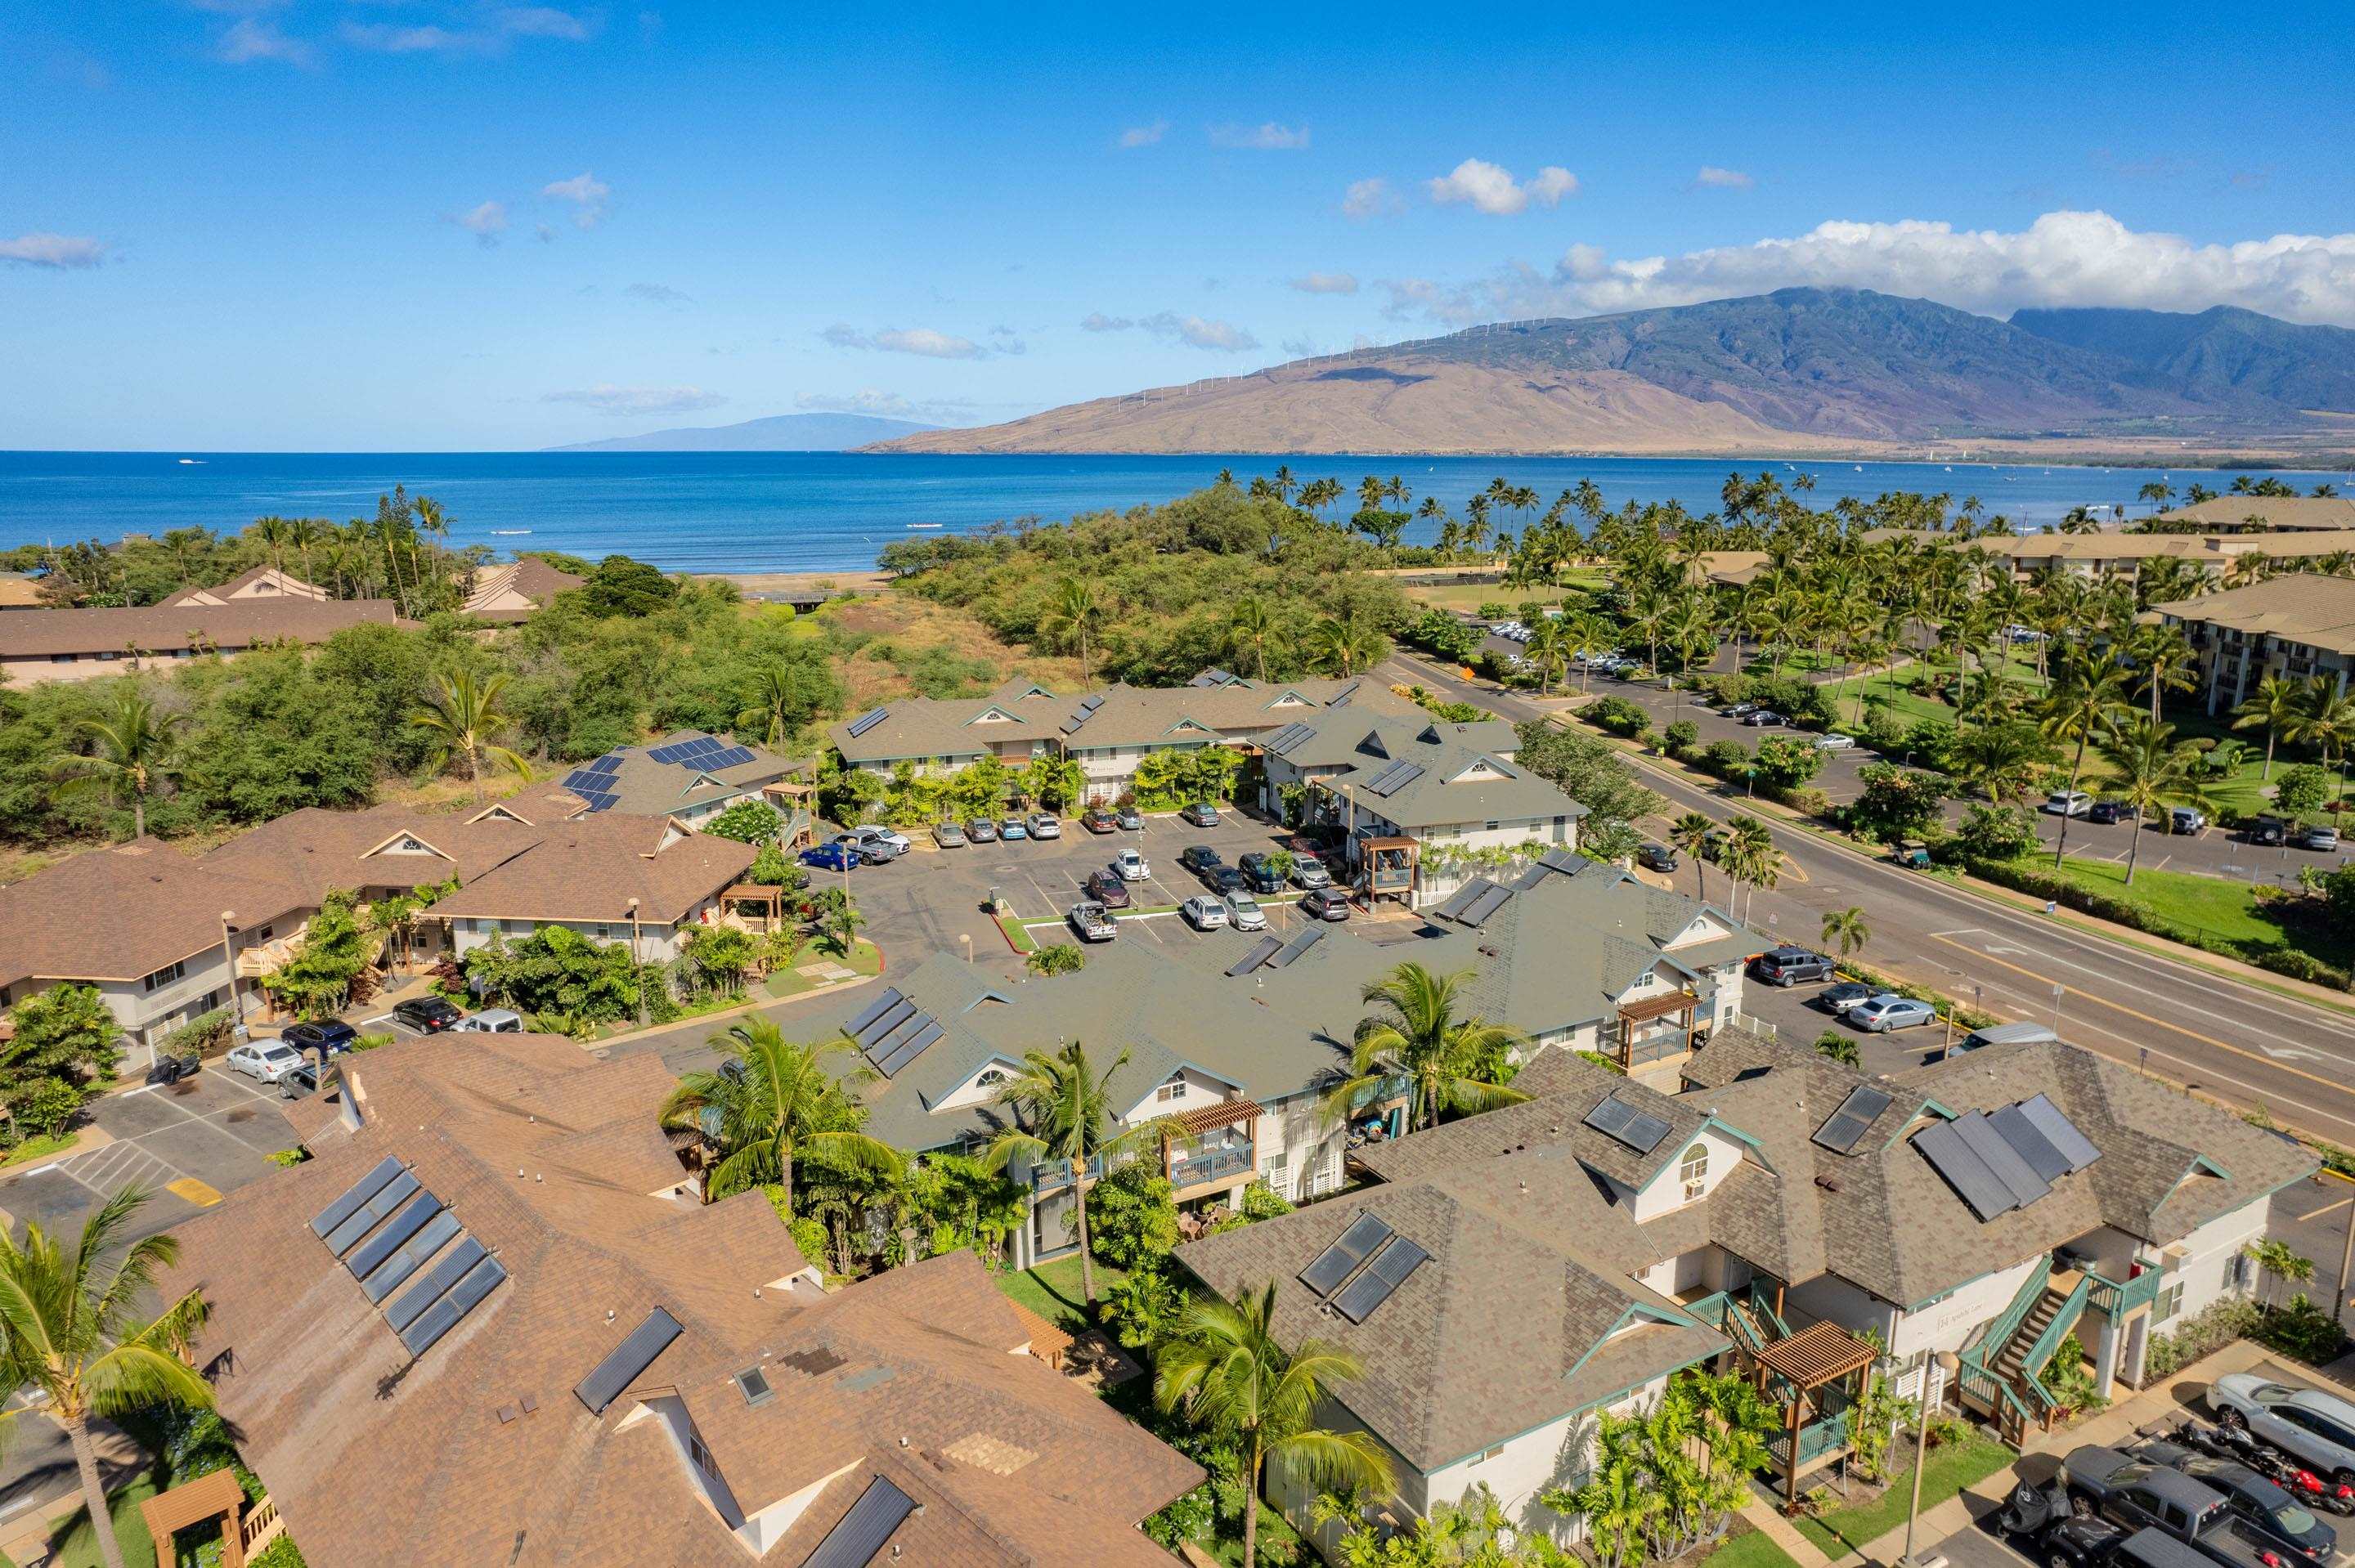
367,225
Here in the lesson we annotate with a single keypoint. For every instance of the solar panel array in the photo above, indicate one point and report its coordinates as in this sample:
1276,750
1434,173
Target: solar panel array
862,1533
1845,1125
1337,1262
1295,947
1639,1131
627,1361
2007,1159
1394,778
1342,698
1211,677
866,721
703,753
1284,740
1371,1258
893,1031
593,781
385,1227
1491,899
1264,950
1374,1284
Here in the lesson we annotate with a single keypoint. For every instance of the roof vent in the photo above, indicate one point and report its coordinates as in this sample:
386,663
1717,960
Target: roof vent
1829,1183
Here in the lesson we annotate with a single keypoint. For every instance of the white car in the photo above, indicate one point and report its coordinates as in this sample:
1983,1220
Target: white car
1043,826
1244,913
491,1020
2067,803
2318,1429
1834,742
871,833
265,1061
1203,912
1888,1012
1131,866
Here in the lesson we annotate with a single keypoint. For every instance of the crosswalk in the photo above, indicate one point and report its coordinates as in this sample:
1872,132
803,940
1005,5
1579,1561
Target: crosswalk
109,1171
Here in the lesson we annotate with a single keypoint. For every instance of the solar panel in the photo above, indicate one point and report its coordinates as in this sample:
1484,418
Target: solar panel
1284,740
1565,861
910,1048
891,1018
866,721
733,757
359,1192
598,800
2016,1175
410,1258
873,1010
605,765
447,1272
1476,914
859,1537
2059,1132
1261,952
1639,1131
397,1231
581,779
445,1314
628,1361
1334,1265
1394,778
1090,704
1385,1274
668,754
1856,1114
362,1220
1461,899
1530,878
2027,1143
1297,945
1965,1171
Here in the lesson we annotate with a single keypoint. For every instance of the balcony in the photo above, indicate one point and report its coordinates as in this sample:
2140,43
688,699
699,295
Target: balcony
1210,1148
1656,1028
2117,1299
1217,1167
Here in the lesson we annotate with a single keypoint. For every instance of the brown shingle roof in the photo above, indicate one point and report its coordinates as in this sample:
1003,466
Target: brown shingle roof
590,869
125,912
2297,607
242,624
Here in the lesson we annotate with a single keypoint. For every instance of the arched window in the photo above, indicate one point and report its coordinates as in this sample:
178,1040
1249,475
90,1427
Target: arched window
1694,1170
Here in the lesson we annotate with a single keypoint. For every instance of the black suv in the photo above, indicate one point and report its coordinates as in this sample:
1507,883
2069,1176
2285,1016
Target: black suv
1657,857
328,1038
1791,966
2268,831
426,1015
1260,874
1198,859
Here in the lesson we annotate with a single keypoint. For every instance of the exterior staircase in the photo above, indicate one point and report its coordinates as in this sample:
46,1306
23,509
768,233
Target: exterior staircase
2010,1361
2002,1363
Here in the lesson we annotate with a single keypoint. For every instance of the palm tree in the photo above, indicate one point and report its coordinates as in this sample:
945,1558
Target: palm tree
1253,625
131,753
303,533
2164,659
1225,1371
1421,1039
1848,928
1548,649
2001,758
1064,1112
2080,705
2154,772
1077,610
774,697
464,717
275,536
1349,645
1689,833
2278,1259
1751,855
2276,707
73,1333
771,1101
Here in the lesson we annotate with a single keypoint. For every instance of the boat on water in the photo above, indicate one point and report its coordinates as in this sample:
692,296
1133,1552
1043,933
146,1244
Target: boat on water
192,462
508,533
923,525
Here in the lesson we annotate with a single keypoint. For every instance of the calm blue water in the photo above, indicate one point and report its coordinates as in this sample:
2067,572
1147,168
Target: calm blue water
828,511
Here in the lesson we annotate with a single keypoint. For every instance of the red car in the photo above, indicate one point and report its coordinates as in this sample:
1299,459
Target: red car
1096,820
1107,889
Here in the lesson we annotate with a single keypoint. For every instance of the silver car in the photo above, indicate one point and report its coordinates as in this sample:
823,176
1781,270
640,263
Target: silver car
1244,913
265,1061
1203,912
2315,1427
1043,826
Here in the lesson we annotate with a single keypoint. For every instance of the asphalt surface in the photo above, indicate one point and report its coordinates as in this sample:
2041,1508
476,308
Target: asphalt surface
2237,1042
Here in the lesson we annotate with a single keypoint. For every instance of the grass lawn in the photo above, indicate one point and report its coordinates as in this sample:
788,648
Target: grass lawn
74,1544
1952,1467
1052,1290
35,1148
1751,1548
2210,904
865,958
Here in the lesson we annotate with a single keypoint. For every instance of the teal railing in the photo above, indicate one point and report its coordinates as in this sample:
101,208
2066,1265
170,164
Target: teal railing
1710,1309
1762,1305
2040,1350
2117,1298
1994,1392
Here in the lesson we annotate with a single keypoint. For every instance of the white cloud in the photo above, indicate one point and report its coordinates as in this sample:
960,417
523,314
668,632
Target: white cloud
1098,321
387,38
1492,188
868,401
1298,347
922,341
1327,283
607,399
1712,177
2063,258
541,22
1145,135
1369,198
587,194
59,251
1269,137
657,294
251,38
486,223
1195,332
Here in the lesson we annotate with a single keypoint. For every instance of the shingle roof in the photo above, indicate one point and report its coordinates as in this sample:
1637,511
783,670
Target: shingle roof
126,911
927,726
156,629
629,782
2279,512
2297,607
1452,780
590,869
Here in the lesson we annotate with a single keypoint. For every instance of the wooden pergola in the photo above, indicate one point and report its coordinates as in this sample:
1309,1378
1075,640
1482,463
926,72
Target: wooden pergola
772,901
1817,1355
214,1495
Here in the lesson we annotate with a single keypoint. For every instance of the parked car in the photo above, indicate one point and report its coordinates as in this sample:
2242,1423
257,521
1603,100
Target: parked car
2289,1525
1131,866
948,835
1012,829
1201,814
301,1084
1243,912
426,1015
1260,874
1326,904
832,857
170,1070
873,834
2137,1495
1225,879
1197,858
1763,719
2267,829
1834,742
2002,1034
1888,1012
2067,803
2322,836
869,849
1107,889
1657,857
1791,966
2108,811
1131,820
1096,820
1841,997
2316,1428
1044,826
1203,912
490,1021
1740,710
2044,1523
2187,819
1092,922
326,1038
980,831
264,1061
1308,874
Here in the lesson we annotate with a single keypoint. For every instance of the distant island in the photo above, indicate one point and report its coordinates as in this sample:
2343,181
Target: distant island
1822,372
778,433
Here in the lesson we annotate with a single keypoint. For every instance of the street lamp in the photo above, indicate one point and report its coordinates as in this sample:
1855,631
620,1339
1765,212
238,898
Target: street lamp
637,966
965,937
1949,1362
229,954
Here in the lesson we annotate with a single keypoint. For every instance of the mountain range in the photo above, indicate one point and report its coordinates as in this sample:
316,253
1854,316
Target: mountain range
778,433
1794,371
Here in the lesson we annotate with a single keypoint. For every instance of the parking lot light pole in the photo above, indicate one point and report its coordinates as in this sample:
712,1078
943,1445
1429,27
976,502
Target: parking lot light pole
229,954
1947,1362
637,966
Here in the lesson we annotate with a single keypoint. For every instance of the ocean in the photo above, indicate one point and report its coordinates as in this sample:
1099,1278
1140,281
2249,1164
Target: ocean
784,511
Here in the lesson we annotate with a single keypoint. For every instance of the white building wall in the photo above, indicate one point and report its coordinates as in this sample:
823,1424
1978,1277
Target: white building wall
1299,1155
1944,1324
2211,1266
656,944
1665,1192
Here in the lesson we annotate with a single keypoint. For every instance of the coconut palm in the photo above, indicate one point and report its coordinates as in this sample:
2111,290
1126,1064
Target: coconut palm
1225,1373
72,1331
2080,705
773,1100
2276,707
2154,771
1549,650
2001,758
1750,856
1420,1036
1349,646
1847,927
1690,834
132,751
2327,720
464,719
1253,627
773,699
2166,660
1064,1113
1077,608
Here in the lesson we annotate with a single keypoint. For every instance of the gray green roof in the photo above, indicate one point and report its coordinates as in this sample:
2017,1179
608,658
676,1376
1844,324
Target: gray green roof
919,727
1420,772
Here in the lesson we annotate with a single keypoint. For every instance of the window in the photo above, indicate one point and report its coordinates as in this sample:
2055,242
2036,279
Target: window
699,1453
2169,1302
990,1078
165,975
1486,1454
1694,1170
1175,1089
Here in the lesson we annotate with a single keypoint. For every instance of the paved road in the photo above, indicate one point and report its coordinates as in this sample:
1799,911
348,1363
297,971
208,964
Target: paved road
2238,1042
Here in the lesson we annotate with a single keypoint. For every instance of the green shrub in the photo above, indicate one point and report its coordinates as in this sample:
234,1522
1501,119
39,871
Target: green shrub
1618,714
1726,759
2209,1329
1132,1219
2303,1331
2302,787
1996,832
203,1035
1681,737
